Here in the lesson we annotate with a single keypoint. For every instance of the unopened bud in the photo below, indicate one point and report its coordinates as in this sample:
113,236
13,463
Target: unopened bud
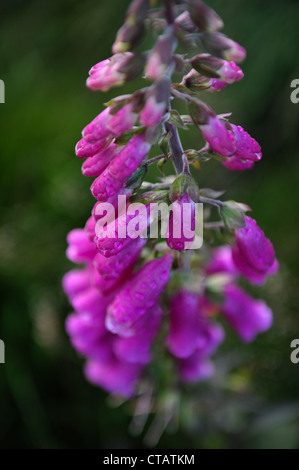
130,34
221,46
197,82
161,56
115,71
157,100
217,68
204,17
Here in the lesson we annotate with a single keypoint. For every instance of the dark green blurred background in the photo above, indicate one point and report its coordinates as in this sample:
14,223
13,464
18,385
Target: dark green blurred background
47,48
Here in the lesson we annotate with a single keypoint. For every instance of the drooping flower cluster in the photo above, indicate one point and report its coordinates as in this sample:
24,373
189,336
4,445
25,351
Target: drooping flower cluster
132,286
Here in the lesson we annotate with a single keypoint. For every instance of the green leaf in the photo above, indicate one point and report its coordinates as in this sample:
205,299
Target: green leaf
239,206
176,119
208,192
136,179
184,183
153,196
232,218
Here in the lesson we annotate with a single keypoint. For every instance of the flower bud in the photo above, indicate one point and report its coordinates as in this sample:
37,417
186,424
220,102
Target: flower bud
217,68
247,148
195,368
203,16
161,56
122,121
114,267
190,330
130,34
181,227
246,316
94,166
97,129
115,376
196,82
139,295
157,101
85,149
80,249
253,253
76,281
115,71
136,349
218,136
221,46
115,176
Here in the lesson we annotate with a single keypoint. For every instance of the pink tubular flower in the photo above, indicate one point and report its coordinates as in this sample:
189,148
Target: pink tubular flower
76,281
218,136
247,148
80,249
85,149
230,72
157,101
136,349
195,368
106,74
117,203
115,176
115,266
215,85
222,262
190,330
95,165
114,375
246,316
140,294
253,253
235,163
160,57
90,228
113,237
181,227
97,129
122,121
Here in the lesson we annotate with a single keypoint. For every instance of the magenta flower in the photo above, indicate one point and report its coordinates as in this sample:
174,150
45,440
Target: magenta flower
116,266
195,368
230,72
190,329
97,129
181,227
116,202
246,147
137,348
107,74
235,163
80,249
161,57
218,136
85,149
122,121
114,375
246,316
113,237
222,262
253,253
95,165
115,176
139,295
76,281
215,85
157,102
